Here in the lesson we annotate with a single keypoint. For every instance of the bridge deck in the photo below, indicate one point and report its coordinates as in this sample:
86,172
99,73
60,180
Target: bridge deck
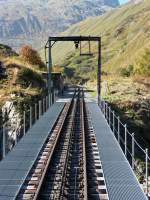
120,179
15,167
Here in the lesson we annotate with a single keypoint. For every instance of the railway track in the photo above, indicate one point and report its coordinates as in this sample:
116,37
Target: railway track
66,168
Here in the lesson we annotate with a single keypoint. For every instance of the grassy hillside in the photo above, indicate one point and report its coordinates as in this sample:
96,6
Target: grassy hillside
22,81
125,33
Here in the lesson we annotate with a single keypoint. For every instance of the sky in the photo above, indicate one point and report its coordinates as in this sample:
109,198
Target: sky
123,1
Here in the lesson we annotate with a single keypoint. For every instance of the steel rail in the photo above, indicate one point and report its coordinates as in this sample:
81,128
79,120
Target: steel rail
71,119
84,147
67,155
50,156
82,130
66,163
53,148
65,159
63,114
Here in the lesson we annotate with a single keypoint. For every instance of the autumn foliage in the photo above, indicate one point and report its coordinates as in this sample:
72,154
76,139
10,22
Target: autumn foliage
31,56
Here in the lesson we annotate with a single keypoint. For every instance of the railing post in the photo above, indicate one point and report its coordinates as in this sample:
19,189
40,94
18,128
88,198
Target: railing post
104,108
54,96
109,117
39,108
113,122
106,111
125,129
30,116
118,129
44,99
51,98
4,140
49,101
24,122
46,103
133,151
35,112
43,106
146,164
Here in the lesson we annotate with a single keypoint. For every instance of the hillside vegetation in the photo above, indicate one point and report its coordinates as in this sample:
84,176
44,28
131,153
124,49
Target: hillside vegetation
125,33
20,79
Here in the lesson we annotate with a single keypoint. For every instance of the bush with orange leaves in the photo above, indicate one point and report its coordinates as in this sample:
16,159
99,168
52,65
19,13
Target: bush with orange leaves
31,56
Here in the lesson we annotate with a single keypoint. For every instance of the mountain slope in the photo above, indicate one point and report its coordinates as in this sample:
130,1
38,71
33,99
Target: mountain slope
125,33
40,18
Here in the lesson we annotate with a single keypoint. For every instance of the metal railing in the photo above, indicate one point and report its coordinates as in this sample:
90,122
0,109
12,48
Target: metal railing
137,156
28,119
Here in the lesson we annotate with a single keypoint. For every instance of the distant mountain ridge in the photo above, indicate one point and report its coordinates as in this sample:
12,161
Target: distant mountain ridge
40,18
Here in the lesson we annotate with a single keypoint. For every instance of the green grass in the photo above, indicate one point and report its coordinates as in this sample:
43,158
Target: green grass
123,30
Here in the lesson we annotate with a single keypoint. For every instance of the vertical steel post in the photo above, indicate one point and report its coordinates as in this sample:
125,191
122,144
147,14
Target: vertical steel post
4,140
99,72
35,112
125,143
49,100
43,105
39,110
46,103
118,129
104,109
24,122
109,117
146,165
113,122
54,96
49,66
30,116
133,151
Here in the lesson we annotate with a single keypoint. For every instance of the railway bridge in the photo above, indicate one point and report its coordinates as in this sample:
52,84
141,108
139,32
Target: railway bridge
70,153
75,150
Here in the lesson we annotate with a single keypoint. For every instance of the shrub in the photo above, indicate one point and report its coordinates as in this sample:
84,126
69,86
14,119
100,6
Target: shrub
127,71
31,56
142,65
27,77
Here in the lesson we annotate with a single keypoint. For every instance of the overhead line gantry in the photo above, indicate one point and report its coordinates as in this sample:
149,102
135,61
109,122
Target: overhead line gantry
77,41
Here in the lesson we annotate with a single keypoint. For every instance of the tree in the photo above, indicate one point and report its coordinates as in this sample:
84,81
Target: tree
31,56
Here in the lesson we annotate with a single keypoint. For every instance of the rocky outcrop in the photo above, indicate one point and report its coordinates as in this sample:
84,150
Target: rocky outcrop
30,19
13,28
12,121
